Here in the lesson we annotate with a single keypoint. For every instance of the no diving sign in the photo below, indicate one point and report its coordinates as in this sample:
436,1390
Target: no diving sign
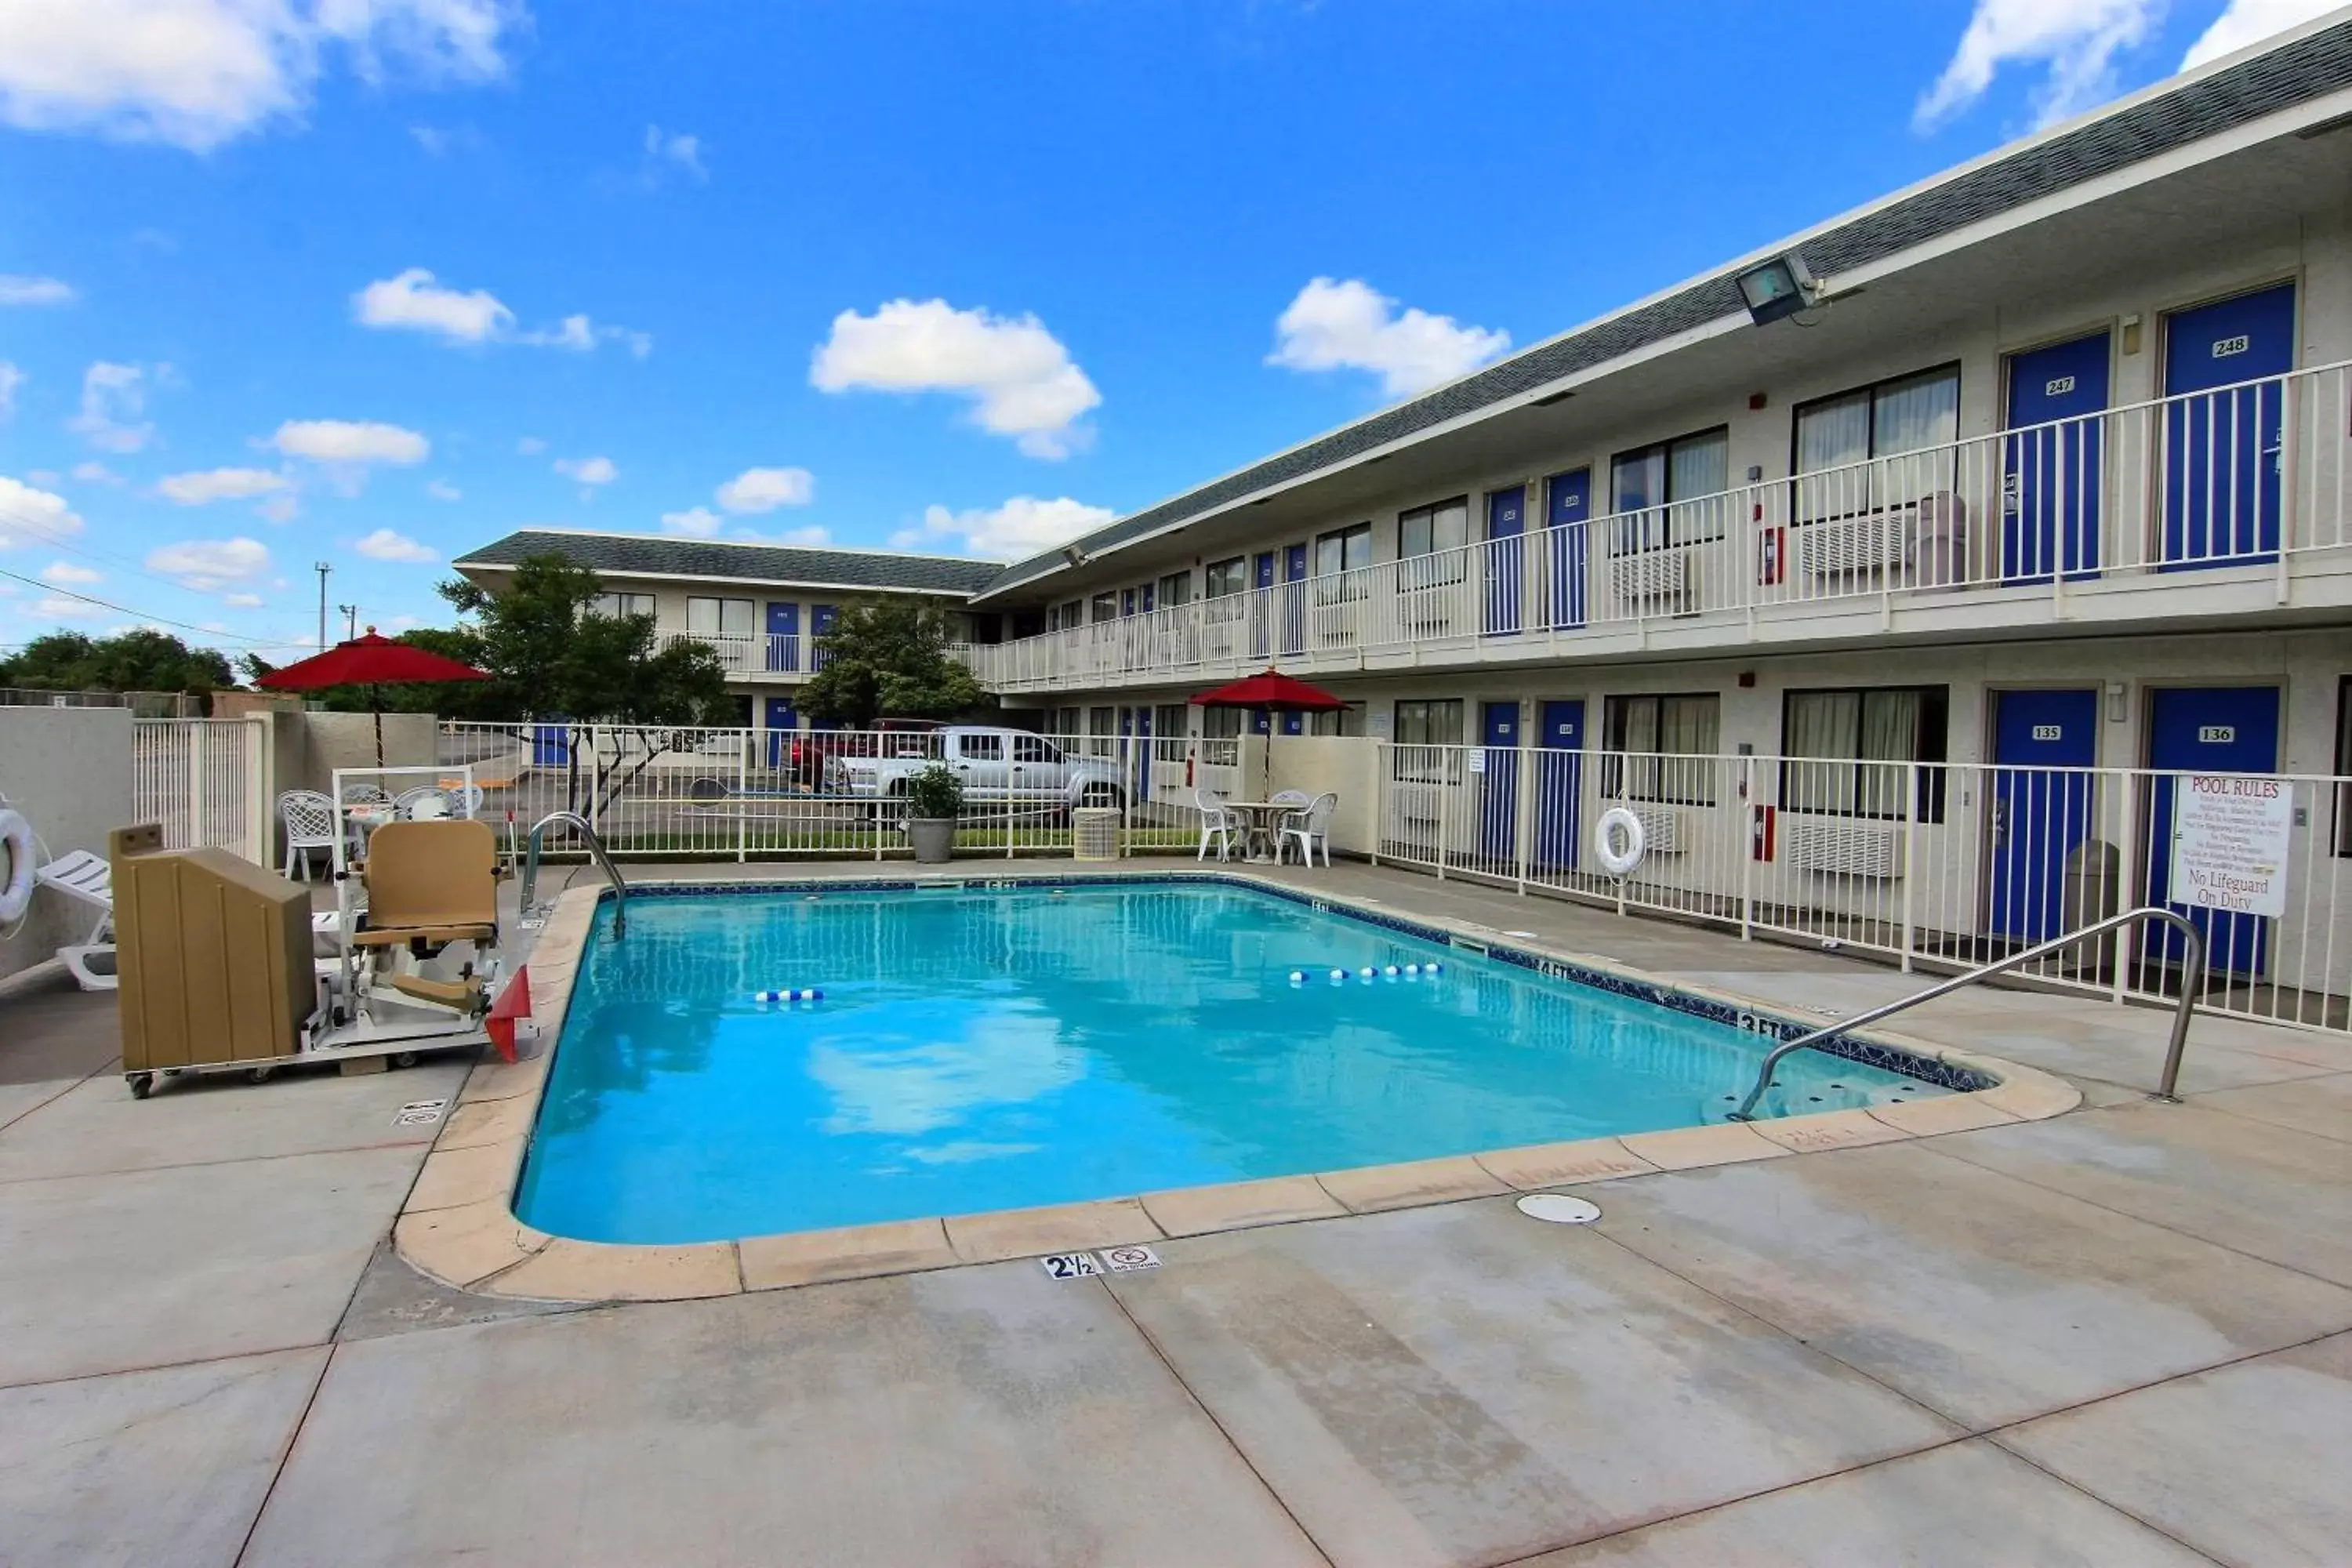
2231,837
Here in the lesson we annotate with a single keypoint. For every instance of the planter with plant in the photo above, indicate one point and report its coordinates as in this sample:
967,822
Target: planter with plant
934,800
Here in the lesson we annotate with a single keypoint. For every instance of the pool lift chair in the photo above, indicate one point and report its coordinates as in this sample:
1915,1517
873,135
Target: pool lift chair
420,965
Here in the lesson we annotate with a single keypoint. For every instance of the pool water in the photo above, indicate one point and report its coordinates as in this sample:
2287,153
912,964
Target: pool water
988,1049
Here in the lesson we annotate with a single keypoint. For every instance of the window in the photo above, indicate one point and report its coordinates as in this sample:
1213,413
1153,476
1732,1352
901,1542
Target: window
1168,737
1105,607
1673,491
619,605
1433,531
1066,720
1436,722
1175,589
1863,738
1228,576
1338,721
1035,749
1102,721
1222,723
981,748
719,618
1342,549
1670,742
2344,766
1915,413
1064,617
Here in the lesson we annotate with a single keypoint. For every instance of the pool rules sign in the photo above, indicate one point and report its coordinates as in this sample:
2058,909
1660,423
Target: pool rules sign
2230,842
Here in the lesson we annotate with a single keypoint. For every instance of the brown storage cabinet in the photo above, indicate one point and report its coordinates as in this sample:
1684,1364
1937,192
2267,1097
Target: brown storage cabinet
213,953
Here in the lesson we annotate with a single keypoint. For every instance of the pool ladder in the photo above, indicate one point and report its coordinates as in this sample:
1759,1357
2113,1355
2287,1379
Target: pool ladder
2192,973
595,847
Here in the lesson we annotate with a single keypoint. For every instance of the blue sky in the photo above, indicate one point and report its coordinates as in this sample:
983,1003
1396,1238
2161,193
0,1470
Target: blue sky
375,284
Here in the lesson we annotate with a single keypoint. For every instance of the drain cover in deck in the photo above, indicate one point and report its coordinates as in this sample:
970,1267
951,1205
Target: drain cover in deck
1559,1208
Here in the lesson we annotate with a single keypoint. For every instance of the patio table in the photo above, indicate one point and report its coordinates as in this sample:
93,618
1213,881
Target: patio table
1258,818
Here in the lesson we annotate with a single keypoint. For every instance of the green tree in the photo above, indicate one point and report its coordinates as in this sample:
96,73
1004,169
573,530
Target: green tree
131,661
889,660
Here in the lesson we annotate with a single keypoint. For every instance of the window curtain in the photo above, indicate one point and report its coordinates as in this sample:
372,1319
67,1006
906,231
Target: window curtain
1687,732
1889,737
1921,415
1832,434
1821,736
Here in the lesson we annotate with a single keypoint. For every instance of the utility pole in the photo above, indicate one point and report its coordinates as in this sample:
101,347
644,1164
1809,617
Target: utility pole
351,621
323,569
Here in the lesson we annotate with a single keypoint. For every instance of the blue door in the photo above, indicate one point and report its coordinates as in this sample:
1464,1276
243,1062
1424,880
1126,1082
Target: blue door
2040,815
1507,519
1498,732
2208,730
1262,606
2051,471
821,619
782,721
1559,777
1567,515
2221,448
785,642
550,745
1293,598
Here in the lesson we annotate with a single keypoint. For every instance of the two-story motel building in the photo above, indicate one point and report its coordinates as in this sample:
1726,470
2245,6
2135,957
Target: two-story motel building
2054,466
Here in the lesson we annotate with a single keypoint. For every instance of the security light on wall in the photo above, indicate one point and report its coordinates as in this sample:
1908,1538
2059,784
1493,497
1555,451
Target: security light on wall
1781,287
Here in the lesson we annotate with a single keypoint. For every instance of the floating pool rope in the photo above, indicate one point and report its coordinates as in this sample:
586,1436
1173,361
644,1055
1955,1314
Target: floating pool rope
1368,974
811,995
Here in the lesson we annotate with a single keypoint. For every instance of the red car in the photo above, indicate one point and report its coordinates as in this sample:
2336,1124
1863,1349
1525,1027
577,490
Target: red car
811,748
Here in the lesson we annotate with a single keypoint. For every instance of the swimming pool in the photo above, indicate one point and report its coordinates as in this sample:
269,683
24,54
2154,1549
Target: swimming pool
991,1047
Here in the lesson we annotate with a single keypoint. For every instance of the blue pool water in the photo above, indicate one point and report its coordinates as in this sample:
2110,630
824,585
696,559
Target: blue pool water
989,1049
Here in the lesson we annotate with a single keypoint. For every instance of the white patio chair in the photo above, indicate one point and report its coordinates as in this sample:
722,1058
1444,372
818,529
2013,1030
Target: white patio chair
464,801
1217,822
310,819
365,795
425,803
1290,797
1309,828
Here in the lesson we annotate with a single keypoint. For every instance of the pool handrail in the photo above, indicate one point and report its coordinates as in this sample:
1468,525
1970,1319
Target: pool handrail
595,847
2192,974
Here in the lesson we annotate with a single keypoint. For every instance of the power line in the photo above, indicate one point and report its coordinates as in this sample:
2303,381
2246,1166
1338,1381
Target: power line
144,615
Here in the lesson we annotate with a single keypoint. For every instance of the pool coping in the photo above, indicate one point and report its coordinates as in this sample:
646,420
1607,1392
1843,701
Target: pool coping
458,1224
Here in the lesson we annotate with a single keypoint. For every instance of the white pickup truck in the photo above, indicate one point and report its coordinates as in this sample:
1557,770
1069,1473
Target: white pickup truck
1005,768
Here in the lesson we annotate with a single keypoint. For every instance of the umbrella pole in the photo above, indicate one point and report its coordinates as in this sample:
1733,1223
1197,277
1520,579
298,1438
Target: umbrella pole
375,701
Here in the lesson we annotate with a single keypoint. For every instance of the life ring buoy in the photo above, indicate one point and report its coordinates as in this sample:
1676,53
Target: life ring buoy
1619,841
17,839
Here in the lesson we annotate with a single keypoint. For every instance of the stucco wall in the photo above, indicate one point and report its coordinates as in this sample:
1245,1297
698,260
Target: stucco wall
68,771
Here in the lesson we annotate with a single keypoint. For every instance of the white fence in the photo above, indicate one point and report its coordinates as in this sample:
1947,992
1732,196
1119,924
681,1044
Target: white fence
1943,864
742,793
2040,520
204,779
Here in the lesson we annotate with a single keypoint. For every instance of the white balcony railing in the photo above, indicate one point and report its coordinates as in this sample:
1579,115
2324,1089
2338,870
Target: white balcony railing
2040,520
758,654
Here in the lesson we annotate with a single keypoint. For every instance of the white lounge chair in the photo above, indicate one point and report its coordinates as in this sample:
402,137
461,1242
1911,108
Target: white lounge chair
1309,828
1217,822
310,818
85,878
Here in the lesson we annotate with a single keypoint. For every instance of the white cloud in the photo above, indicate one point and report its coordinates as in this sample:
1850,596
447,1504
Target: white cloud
17,289
205,564
113,396
29,516
438,140
351,441
90,471
765,489
47,478
413,301
219,484
1021,379
588,471
696,523
2075,41
1351,325
70,575
678,148
384,544
11,378
812,537
195,73
531,446
2250,22
442,490
279,509
58,607
241,600
1021,527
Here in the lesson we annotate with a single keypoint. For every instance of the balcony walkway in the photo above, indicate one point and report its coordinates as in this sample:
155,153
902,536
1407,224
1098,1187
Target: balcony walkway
2124,1335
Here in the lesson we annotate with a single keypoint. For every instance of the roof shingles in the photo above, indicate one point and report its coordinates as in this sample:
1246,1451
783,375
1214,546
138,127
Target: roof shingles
653,555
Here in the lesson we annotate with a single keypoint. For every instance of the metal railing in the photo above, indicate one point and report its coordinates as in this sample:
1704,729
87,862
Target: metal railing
2053,521
2192,970
204,780
595,847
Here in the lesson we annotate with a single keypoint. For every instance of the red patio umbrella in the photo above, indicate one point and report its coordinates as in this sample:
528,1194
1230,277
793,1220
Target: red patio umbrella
371,661
1275,693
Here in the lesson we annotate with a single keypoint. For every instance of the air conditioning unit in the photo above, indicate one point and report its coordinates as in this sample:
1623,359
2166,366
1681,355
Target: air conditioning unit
1220,639
1653,580
1425,611
1422,803
1873,542
1335,625
1661,829
1864,849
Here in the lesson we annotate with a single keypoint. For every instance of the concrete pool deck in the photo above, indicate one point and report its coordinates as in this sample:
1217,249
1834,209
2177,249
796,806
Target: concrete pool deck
2120,1335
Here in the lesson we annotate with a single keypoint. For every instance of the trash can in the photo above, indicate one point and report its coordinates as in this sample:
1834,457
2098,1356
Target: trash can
1094,833
2093,885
